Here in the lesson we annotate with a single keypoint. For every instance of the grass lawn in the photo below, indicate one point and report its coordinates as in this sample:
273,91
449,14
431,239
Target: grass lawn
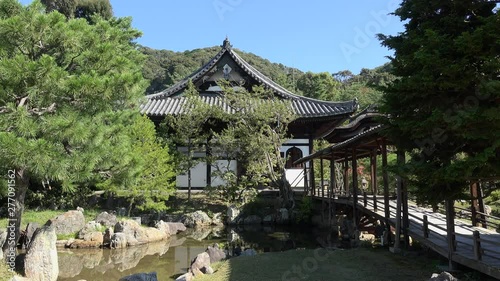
5,274
42,216
355,264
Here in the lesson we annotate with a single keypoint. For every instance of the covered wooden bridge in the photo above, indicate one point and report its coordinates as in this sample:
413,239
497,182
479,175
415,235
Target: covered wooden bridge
469,243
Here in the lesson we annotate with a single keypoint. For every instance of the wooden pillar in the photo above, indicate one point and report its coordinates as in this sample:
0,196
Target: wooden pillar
322,175
346,175
333,178
355,187
385,177
209,166
306,182
406,220
474,203
450,231
311,166
373,174
481,205
399,199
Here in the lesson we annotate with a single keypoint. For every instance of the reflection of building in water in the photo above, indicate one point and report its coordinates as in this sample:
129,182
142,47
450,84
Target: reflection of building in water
183,255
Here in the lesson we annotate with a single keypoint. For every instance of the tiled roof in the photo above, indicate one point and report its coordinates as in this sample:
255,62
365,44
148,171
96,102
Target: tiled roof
301,107
169,102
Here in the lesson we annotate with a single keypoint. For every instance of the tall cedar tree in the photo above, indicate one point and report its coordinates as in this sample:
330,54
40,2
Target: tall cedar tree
444,106
68,91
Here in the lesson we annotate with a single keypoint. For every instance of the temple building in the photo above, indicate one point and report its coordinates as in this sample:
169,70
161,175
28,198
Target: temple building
316,118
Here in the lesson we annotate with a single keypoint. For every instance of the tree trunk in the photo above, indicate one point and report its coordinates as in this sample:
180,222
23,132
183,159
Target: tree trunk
132,200
15,203
190,155
286,192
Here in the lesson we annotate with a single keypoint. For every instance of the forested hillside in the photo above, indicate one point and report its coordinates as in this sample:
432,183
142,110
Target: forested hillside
163,68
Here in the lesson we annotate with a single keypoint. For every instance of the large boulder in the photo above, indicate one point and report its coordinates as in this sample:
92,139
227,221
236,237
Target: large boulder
163,227
443,276
154,234
141,277
215,253
283,216
28,233
176,227
41,262
108,233
90,227
232,214
106,219
135,234
252,219
217,219
198,218
67,223
3,237
200,264
118,241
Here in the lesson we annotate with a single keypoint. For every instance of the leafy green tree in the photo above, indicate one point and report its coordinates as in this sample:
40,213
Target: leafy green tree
154,179
444,105
68,92
253,134
88,8
319,86
80,8
189,130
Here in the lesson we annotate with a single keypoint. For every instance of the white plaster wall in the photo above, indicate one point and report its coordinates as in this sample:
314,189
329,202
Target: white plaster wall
198,176
224,165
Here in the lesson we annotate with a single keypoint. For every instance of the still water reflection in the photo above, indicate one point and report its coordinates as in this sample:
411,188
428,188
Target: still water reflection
172,257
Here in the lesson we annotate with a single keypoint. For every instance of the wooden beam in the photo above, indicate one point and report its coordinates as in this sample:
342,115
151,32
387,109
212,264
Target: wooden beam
311,166
399,195
322,175
346,176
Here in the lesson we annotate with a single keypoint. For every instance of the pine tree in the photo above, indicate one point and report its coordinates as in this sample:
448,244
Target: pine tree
68,92
444,106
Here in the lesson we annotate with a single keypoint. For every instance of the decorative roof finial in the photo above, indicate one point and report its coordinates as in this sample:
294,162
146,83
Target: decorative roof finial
226,44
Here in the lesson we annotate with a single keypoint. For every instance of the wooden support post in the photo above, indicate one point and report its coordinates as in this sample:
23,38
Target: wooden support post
322,175
425,227
399,194
450,231
311,166
373,174
306,182
355,187
481,205
477,245
474,205
209,166
365,199
333,180
385,178
346,176
404,195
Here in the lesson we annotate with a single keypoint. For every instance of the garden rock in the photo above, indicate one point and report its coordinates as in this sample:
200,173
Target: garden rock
84,244
269,219
253,219
28,234
90,227
198,218
3,237
118,241
176,227
141,277
133,231
248,252
443,276
185,277
217,219
41,262
106,219
163,227
232,214
153,234
215,253
67,223
283,216
94,236
108,233
200,263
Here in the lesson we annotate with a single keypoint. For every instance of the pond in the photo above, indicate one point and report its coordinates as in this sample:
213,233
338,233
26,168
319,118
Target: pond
172,257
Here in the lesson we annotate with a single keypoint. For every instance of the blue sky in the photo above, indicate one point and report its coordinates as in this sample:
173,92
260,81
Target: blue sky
317,35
